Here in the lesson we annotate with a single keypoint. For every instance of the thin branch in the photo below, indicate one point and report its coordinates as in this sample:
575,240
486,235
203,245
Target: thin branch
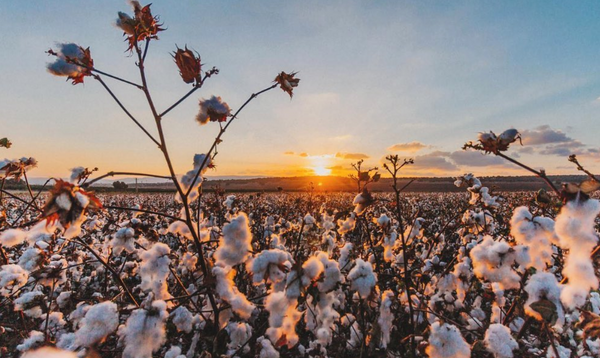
180,100
116,78
125,110
222,131
538,173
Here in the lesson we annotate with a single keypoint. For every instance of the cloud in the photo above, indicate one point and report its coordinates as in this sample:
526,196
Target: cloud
433,162
407,147
340,138
563,149
475,159
289,153
304,154
544,135
351,156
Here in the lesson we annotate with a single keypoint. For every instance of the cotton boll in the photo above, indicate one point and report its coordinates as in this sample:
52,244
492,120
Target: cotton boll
154,270
499,341
174,352
537,233
183,319
48,352
228,292
386,317
29,303
35,339
271,265
99,321
493,260
267,350
543,285
187,181
235,244
12,277
239,334
144,331
12,237
445,341
283,318
575,229
123,240
362,278
344,260
347,225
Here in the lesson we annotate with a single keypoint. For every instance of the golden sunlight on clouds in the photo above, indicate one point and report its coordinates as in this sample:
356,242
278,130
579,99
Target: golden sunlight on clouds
320,164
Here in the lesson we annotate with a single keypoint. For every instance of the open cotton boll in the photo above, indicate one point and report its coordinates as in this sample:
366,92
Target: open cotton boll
493,261
345,252
347,225
174,352
154,270
445,341
12,277
229,202
35,339
543,285
271,265
228,292
267,350
144,332
575,229
239,334
100,320
49,352
537,233
187,181
283,317
12,237
362,278
386,317
123,240
235,244
183,319
499,341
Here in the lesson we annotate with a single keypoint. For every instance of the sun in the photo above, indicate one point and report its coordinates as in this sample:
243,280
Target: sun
321,170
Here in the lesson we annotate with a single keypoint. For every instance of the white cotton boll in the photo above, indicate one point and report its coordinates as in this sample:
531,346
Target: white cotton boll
543,285
154,270
267,350
12,237
60,66
187,181
386,317
360,203
228,292
174,352
183,319
235,244
28,303
35,339
347,225
499,341
144,331
49,352
445,341
271,265
362,278
239,334
229,202
575,229
309,221
75,173
12,277
311,269
283,317
389,241
345,251
493,260
100,320
537,233
123,240
213,109
63,299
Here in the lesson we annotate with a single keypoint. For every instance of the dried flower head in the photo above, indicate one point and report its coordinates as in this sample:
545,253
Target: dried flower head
287,82
72,61
142,26
5,143
16,168
490,143
213,109
189,65
67,203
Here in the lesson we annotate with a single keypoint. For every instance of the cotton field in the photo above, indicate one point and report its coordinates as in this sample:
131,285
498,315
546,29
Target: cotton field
193,273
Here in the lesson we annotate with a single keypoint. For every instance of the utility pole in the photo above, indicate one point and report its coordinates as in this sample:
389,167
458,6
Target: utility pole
136,186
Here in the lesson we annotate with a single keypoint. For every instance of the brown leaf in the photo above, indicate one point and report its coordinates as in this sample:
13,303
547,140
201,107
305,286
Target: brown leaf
546,309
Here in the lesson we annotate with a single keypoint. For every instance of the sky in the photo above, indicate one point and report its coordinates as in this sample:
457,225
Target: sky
413,78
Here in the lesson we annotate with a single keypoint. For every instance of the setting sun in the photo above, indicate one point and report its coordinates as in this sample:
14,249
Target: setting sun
321,170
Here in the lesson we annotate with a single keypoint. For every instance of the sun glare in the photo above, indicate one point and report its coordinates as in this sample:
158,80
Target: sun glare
321,170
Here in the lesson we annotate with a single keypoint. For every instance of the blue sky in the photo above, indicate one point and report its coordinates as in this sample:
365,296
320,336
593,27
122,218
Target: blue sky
373,74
